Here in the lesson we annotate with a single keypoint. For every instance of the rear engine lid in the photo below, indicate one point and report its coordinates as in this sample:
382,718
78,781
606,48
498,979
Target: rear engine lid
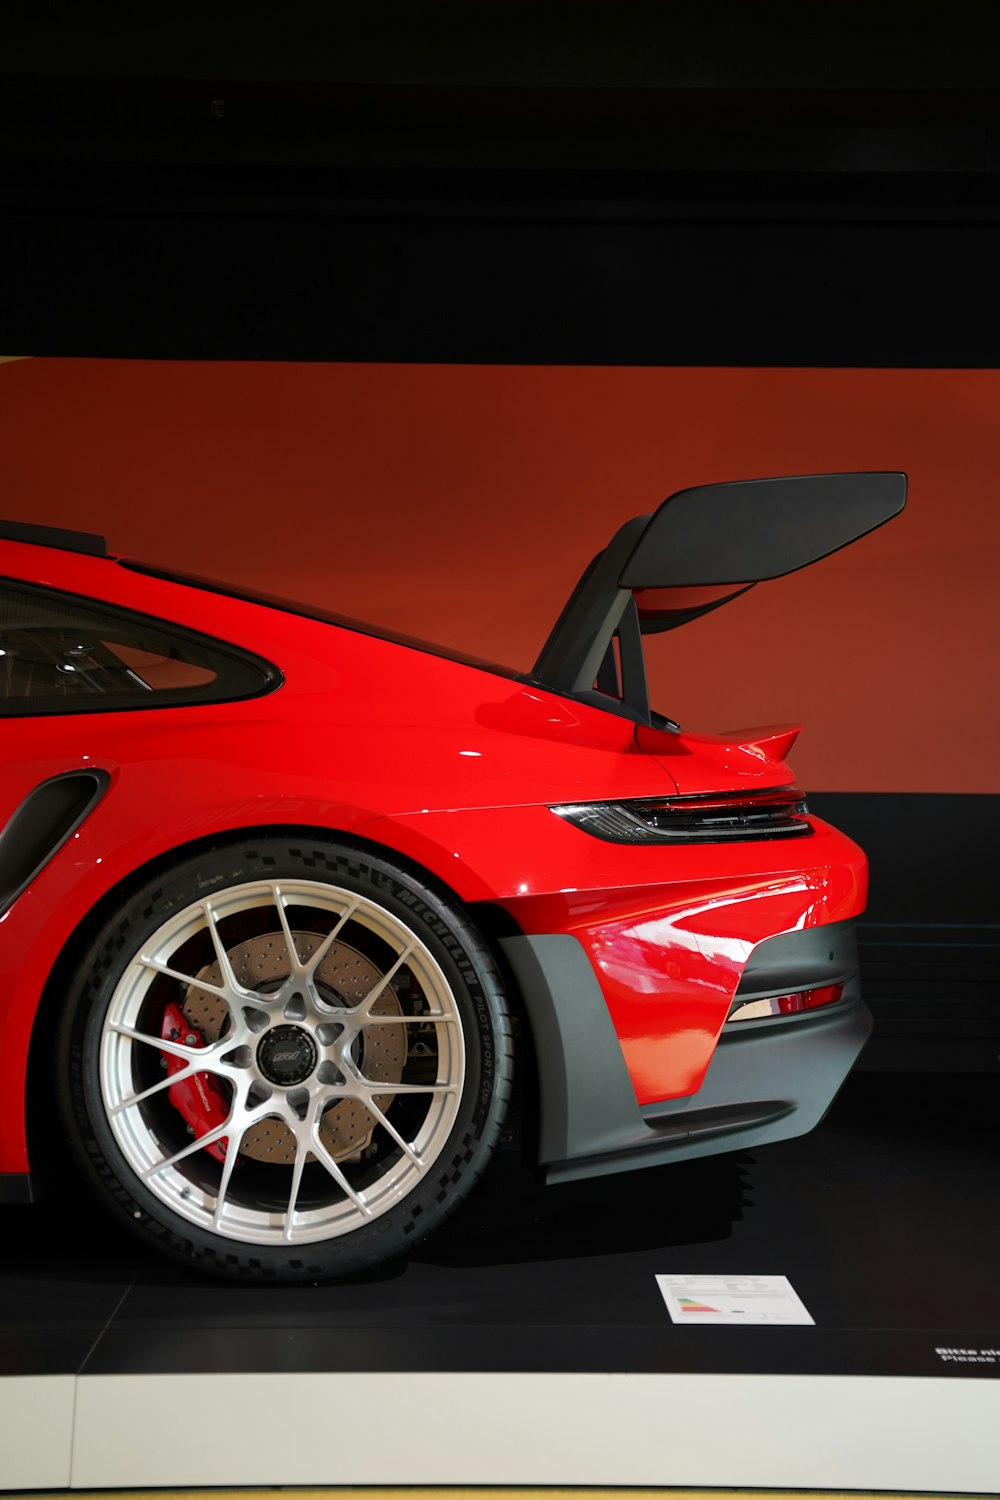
739,760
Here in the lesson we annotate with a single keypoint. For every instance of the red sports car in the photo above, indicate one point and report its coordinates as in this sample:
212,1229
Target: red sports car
283,897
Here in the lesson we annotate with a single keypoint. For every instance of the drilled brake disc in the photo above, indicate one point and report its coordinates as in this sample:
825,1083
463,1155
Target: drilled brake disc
348,976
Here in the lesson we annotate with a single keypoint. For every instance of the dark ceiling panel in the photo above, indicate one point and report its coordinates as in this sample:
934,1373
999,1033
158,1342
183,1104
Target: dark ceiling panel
730,293
570,181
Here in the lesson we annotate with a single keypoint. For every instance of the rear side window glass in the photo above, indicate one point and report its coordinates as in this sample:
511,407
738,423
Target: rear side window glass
61,654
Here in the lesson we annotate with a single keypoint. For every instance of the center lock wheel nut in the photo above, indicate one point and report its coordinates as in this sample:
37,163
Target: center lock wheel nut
286,1056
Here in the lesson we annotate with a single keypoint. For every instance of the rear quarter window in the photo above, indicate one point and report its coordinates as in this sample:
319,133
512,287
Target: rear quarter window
63,654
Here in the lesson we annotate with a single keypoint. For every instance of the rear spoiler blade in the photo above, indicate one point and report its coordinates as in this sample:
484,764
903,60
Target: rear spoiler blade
702,548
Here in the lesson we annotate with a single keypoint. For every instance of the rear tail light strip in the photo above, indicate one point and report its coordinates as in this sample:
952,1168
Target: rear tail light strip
720,818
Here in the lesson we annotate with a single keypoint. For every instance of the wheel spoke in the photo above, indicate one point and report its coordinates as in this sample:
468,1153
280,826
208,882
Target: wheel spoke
314,960
288,1233
187,979
390,1129
198,1144
222,957
298,1167
173,1049
390,1019
364,1009
235,1124
295,964
164,1083
325,1159
358,1086
412,1088
232,1152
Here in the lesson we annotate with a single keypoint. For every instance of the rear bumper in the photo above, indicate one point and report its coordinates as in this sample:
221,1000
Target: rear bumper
767,1080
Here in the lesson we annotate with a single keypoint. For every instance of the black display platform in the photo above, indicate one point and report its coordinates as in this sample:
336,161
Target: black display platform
886,1220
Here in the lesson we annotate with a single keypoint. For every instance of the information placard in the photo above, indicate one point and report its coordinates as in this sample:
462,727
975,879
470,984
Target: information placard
732,1299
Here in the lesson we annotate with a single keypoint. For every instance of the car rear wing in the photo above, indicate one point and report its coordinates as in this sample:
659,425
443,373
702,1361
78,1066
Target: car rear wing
702,547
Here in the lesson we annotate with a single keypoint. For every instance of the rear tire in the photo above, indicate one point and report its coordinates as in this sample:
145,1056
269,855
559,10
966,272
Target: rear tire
285,1059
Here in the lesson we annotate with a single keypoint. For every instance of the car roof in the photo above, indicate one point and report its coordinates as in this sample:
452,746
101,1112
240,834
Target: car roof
90,544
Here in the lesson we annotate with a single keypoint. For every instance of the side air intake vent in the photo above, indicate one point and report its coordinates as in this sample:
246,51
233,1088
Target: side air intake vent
49,814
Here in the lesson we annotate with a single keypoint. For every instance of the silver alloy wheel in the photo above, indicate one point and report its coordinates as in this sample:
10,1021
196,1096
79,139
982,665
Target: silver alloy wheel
409,1111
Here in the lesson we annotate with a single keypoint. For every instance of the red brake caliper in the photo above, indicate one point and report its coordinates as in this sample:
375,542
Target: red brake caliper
199,1097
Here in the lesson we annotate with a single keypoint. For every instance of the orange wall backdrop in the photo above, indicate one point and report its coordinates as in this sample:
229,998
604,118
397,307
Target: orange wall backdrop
461,503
